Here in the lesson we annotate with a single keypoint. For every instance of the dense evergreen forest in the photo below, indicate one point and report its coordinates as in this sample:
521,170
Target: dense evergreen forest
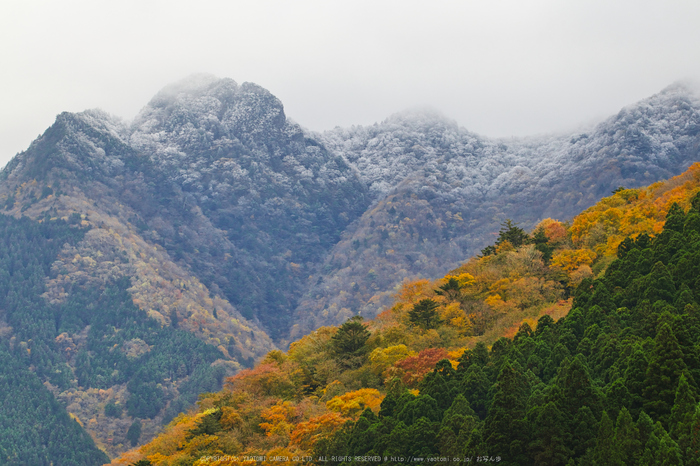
614,382
34,427
122,345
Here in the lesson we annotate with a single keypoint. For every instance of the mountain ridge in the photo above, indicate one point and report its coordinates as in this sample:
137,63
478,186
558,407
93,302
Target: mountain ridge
220,217
483,182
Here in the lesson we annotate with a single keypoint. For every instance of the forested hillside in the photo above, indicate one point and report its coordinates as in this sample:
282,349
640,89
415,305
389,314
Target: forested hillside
488,361
137,331
614,382
34,427
212,230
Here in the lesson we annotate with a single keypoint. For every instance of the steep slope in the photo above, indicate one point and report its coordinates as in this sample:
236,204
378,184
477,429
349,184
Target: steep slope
34,427
277,200
124,324
614,381
212,197
441,192
212,226
320,397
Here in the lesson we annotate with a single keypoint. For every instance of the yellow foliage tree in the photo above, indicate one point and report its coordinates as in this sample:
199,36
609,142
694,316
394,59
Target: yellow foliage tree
500,287
464,279
571,259
383,358
413,291
352,404
453,315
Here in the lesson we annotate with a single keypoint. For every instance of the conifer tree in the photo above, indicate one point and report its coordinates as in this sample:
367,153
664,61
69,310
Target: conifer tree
441,384
506,430
684,297
424,314
458,413
663,373
551,437
635,375
692,451
573,389
645,426
606,452
692,224
348,343
660,449
675,218
618,397
627,439
583,432
650,455
448,443
458,418
682,413
422,406
451,290
659,284
475,387
669,452
362,437
422,437
512,233
134,432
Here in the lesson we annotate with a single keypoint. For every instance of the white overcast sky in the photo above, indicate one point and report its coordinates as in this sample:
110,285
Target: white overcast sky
499,68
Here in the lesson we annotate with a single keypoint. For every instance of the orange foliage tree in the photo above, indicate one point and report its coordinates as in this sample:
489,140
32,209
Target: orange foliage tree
306,434
412,369
280,419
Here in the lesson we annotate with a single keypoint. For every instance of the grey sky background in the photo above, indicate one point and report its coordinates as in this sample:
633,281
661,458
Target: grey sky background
499,68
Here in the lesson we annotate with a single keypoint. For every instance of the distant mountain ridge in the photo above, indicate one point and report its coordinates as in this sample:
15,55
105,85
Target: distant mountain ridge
238,226
441,192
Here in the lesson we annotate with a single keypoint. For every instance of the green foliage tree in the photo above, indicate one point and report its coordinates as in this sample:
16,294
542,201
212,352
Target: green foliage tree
627,441
551,438
541,242
659,285
349,342
451,289
635,375
692,451
682,414
113,410
424,314
606,453
664,372
584,431
512,233
133,434
509,232
660,449
600,363
475,386
506,427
